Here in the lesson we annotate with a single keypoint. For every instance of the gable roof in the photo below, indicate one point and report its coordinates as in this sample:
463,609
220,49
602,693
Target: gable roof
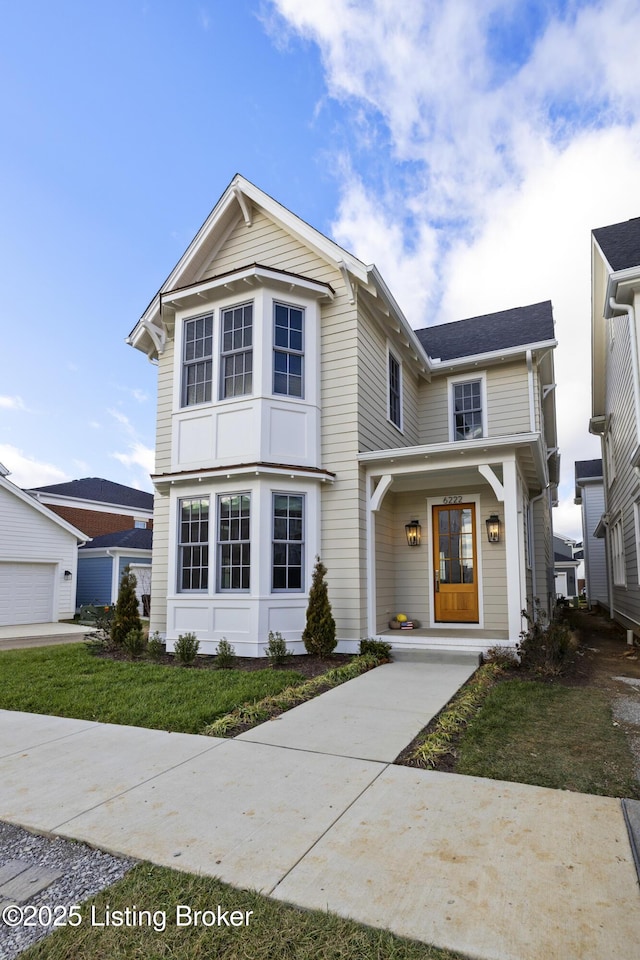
40,508
132,539
100,491
491,333
620,243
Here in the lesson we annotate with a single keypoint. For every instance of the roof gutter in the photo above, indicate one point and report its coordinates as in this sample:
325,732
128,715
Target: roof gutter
476,359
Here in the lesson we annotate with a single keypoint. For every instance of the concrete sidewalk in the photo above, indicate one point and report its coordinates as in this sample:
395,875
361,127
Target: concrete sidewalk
493,870
26,635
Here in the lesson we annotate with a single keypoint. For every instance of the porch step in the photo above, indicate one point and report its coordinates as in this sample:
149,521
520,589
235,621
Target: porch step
441,655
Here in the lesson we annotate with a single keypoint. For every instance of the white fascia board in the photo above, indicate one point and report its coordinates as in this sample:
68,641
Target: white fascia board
260,273
113,552
99,506
491,357
484,450
49,514
382,289
225,473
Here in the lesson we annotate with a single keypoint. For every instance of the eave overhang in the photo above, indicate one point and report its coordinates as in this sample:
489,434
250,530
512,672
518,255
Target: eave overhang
292,471
490,358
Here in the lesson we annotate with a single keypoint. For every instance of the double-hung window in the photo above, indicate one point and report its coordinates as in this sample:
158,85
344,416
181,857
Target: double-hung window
288,350
197,360
193,544
395,391
288,541
236,360
467,412
234,541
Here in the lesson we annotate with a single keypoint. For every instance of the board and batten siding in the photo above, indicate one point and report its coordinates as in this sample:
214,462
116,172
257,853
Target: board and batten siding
623,489
29,535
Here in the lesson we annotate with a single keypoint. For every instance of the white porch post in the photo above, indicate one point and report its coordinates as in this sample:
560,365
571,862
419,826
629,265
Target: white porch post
512,549
374,499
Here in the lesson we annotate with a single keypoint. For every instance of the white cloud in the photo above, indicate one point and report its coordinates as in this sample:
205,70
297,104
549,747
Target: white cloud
12,403
26,471
137,456
123,420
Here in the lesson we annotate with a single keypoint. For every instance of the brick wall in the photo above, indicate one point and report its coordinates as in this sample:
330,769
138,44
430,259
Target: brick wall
93,523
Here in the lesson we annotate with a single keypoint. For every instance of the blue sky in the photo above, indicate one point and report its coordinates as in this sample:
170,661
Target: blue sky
466,152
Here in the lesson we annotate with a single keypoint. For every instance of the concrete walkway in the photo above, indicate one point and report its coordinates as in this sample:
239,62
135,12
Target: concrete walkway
490,869
41,635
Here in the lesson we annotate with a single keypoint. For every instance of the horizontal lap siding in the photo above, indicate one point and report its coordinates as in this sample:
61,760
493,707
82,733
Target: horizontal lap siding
165,409
508,399
433,411
624,490
94,580
595,552
159,564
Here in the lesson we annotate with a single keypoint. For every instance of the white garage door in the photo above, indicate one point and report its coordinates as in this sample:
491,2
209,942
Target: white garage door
26,593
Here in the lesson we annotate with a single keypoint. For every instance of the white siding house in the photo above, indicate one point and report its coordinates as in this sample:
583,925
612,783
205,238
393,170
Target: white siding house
615,296
590,498
38,559
300,414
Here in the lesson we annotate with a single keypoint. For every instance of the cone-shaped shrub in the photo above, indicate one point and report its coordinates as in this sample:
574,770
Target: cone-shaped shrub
320,632
126,617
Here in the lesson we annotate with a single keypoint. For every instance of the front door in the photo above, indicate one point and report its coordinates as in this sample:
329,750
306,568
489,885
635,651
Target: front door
454,564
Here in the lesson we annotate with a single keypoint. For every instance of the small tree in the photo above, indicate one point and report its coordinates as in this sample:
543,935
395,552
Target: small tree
126,617
320,632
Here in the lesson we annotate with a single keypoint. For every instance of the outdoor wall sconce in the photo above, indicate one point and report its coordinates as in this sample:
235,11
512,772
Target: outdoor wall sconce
67,574
493,528
413,531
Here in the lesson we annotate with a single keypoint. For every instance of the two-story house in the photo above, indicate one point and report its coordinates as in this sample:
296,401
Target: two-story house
299,414
615,307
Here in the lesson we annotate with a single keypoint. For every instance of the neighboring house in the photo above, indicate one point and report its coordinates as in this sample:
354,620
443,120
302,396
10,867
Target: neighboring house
101,564
98,506
565,564
38,559
299,414
615,298
590,498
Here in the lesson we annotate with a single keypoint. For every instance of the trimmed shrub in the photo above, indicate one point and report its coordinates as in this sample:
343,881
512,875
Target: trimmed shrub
319,634
379,649
134,642
225,654
126,615
276,650
156,647
545,648
186,648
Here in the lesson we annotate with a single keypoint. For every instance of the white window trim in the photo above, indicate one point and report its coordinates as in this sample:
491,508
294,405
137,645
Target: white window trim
467,378
617,553
286,350
398,426
219,589
222,354
185,363
279,591
197,591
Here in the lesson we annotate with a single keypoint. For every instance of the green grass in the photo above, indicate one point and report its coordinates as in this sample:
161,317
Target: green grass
551,736
275,930
67,681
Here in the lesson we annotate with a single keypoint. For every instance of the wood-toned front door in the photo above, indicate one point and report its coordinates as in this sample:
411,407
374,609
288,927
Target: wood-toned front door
454,564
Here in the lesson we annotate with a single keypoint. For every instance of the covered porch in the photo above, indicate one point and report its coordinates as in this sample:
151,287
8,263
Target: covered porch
450,543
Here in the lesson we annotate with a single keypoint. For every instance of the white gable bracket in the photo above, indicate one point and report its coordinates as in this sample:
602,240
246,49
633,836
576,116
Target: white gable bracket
347,280
546,389
492,480
378,494
244,205
157,334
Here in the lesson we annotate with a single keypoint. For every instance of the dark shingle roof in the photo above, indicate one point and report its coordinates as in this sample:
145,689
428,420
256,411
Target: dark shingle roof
493,332
586,469
620,243
102,491
133,539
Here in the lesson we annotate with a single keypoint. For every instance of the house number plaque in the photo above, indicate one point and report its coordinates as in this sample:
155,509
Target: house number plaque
452,499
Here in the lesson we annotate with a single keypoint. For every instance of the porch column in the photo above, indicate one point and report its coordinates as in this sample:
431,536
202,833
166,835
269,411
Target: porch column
374,499
512,549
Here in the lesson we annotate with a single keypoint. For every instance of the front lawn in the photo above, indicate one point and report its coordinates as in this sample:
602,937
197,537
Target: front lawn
549,735
273,930
67,681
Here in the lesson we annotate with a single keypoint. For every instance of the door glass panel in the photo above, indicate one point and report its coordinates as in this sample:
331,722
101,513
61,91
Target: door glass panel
455,545
443,521
466,520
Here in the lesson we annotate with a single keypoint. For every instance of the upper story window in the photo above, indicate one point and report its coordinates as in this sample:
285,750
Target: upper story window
395,391
197,364
193,544
236,358
467,409
288,350
234,541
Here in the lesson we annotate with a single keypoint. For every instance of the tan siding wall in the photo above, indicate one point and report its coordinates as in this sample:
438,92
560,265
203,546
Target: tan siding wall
165,408
158,614
376,432
433,411
508,399
625,488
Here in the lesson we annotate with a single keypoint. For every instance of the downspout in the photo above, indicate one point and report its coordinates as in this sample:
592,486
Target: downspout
633,340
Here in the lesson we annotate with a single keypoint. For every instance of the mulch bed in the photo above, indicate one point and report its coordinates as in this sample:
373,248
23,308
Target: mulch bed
303,664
